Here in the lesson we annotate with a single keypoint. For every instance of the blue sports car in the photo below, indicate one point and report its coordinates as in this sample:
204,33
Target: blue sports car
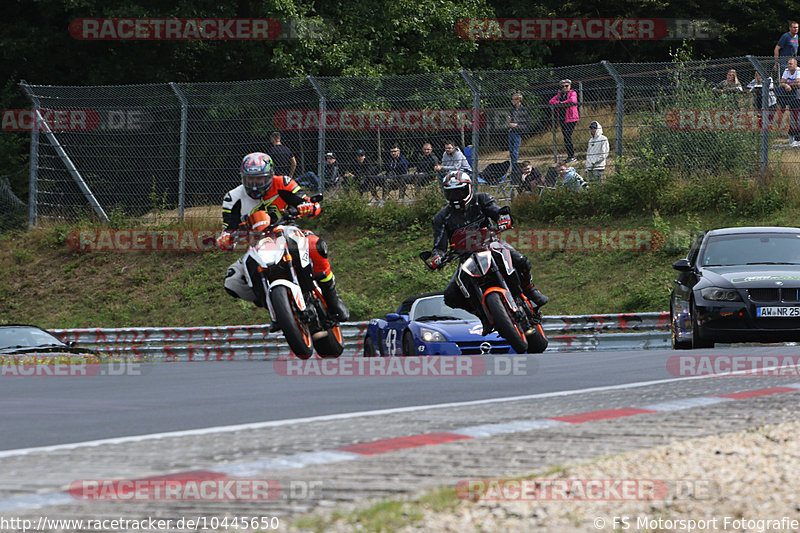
424,325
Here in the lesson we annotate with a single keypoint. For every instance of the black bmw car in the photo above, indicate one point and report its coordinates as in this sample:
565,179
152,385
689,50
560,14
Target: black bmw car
738,285
21,340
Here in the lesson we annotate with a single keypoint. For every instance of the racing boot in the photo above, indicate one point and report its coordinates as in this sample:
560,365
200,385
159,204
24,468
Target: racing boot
335,304
534,295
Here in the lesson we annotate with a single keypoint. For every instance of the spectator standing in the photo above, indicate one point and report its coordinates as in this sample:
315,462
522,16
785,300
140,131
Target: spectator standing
452,159
596,152
566,108
517,125
787,46
282,157
790,81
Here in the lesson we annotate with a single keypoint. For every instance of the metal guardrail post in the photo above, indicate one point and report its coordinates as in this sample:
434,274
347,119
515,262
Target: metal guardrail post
39,121
620,104
476,110
764,113
182,156
323,104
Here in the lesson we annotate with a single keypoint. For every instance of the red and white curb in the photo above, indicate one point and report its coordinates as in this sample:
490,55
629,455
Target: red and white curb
382,446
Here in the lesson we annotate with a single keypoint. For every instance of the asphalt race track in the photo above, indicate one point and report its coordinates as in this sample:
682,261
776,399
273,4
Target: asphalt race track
166,397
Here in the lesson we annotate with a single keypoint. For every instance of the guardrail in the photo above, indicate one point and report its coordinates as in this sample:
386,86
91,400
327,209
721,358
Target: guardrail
254,342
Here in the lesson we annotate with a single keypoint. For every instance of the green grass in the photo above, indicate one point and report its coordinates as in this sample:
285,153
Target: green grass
43,281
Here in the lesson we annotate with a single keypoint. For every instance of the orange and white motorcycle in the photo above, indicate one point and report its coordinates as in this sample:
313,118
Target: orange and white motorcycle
283,269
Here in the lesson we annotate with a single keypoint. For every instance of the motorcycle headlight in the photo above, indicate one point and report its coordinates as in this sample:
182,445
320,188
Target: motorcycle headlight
718,294
431,335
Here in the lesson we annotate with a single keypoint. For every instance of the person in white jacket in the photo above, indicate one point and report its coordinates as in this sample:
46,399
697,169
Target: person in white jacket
596,153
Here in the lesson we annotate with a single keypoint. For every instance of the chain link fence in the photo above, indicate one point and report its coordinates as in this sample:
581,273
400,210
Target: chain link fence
13,211
172,150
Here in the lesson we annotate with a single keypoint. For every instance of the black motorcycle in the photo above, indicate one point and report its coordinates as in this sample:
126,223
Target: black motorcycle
489,281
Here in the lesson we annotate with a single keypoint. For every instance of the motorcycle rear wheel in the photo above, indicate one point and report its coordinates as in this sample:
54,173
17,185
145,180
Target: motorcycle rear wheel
504,324
296,333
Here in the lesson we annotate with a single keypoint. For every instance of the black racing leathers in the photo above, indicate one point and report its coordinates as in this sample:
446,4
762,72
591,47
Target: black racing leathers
476,215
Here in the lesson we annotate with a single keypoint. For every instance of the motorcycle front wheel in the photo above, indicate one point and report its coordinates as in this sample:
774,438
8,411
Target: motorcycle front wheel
330,346
504,324
296,332
537,341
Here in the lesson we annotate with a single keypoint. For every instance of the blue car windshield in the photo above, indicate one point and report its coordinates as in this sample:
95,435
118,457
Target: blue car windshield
434,308
751,249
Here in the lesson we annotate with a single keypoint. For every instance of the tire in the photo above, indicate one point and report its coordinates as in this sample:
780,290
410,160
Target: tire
369,347
504,325
677,344
296,333
330,346
697,339
408,343
537,341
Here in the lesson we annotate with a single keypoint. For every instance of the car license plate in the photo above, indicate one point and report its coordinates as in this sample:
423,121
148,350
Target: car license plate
777,312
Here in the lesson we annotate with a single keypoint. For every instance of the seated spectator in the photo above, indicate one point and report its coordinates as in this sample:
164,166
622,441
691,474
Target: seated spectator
426,166
790,82
362,174
331,177
396,171
754,88
570,179
452,159
730,87
526,178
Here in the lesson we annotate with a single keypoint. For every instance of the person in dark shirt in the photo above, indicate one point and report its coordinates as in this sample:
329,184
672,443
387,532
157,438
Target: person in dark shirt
361,174
282,157
426,166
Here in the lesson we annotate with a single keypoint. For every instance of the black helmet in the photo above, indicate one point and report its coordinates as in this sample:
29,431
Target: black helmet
457,188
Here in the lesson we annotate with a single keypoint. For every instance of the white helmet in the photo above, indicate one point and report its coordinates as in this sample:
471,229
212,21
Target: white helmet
457,188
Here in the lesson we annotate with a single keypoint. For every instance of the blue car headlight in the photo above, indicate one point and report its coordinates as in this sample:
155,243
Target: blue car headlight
431,335
718,294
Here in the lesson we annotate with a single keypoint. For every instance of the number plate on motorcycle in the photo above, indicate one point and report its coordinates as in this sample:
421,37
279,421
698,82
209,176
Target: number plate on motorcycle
777,312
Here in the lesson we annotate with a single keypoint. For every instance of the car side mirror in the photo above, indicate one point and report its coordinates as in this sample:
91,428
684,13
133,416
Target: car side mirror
682,265
392,316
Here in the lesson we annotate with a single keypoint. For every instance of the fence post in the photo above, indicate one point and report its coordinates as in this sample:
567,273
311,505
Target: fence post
620,104
33,188
321,136
182,156
476,111
40,122
764,114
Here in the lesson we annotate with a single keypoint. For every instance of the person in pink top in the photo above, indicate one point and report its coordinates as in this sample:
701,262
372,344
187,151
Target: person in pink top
566,104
